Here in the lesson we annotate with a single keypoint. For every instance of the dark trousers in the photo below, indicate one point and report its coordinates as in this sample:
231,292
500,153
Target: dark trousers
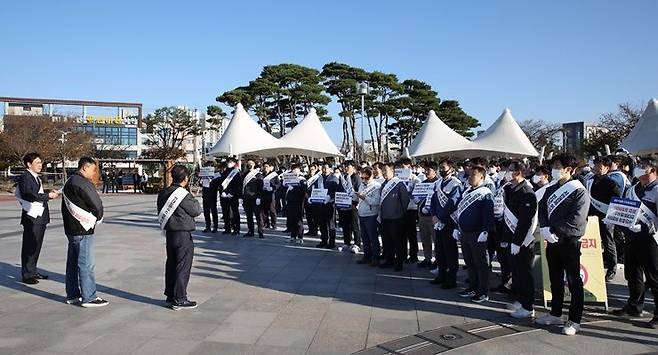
392,236
31,248
210,209
563,257
180,251
311,218
251,210
268,213
410,233
620,240
523,283
294,221
447,253
477,260
369,237
641,271
326,223
349,226
230,214
609,246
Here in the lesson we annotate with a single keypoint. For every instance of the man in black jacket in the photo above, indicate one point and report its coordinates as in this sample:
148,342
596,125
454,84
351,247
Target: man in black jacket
562,213
325,208
177,210
34,217
252,190
231,188
518,227
271,183
601,190
209,187
82,210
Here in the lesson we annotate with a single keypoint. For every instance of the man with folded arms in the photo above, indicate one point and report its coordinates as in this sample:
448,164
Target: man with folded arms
82,210
34,217
562,213
177,209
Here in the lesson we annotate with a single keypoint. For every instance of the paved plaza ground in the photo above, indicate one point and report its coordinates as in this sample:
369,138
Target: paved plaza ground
261,297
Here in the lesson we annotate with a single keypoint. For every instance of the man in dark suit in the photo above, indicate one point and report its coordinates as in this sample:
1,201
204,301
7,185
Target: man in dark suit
231,191
34,218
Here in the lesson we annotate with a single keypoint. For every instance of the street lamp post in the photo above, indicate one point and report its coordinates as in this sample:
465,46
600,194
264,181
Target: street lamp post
362,90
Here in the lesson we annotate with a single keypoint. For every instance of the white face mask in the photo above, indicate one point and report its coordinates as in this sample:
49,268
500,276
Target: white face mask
536,179
492,171
501,175
637,172
556,174
230,165
508,176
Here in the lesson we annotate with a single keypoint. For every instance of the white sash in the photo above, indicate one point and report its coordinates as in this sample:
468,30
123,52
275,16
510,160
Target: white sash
266,181
250,176
347,185
33,209
600,206
170,206
623,177
230,177
499,201
389,187
471,197
87,219
646,215
561,194
312,179
511,221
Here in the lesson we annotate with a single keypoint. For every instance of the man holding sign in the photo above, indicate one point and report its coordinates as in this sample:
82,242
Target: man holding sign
641,252
177,209
82,210
422,195
323,190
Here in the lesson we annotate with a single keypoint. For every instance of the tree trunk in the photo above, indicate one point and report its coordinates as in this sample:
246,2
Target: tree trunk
372,138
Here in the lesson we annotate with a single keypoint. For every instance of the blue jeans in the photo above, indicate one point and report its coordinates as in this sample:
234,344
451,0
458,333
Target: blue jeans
369,237
80,264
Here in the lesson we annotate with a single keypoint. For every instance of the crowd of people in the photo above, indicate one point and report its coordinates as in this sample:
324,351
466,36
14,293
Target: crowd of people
491,209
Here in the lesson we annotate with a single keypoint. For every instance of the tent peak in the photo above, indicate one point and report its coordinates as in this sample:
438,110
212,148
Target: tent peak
312,110
507,110
239,106
432,112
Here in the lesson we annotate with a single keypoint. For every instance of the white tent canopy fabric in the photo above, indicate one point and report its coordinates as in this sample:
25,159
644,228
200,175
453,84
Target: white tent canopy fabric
435,138
643,139
505,137
244,136
308,138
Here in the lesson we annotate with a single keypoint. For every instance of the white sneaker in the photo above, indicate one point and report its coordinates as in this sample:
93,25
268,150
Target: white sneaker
549,320
570,328
300,241
98,302
355,249
514,306
523,313
435,271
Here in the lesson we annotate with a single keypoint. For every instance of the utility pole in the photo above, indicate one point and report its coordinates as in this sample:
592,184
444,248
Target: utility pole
362,90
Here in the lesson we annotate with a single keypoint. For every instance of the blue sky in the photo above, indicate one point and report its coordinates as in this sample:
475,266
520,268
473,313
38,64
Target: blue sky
553,60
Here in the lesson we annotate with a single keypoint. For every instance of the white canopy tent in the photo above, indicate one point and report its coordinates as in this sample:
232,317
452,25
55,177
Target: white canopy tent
643,139
505,137
435,139
308,138
244,136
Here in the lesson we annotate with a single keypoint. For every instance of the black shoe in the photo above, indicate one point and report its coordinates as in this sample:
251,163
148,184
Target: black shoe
226,232
31,281
653,323
398,268
207,230
386,265
467,293
625,312
425,263
448,285
501,289
321,245
286,230
610,275
363,261
235,233
374,263
330,246
169,301
41,276
98,302
247,235
311,234
411,260
437,280
260,236
183,305
214,231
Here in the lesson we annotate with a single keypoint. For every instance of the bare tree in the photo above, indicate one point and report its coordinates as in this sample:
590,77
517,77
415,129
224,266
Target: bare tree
542,133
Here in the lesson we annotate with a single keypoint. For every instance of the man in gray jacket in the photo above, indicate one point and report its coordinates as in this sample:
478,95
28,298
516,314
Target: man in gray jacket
179,213
394,203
